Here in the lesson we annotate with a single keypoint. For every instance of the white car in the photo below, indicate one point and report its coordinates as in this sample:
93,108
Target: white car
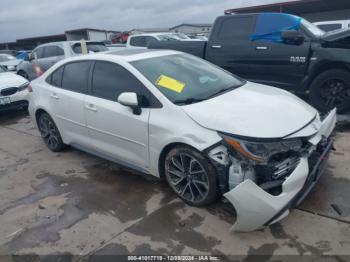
173,115
328,26
13,91
143,40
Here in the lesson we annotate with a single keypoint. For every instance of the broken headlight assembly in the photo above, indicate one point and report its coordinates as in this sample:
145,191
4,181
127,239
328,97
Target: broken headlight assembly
262,152
266,163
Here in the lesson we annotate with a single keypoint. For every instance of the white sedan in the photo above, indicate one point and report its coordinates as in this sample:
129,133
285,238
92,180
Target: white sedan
206,131
13,91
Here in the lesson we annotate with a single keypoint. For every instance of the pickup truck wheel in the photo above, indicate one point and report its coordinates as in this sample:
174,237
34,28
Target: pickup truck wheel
50,133
191,176
331,89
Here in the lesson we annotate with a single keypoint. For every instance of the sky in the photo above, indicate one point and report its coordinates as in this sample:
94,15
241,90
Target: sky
29,18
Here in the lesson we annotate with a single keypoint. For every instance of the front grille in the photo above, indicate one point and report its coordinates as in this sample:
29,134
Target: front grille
285,168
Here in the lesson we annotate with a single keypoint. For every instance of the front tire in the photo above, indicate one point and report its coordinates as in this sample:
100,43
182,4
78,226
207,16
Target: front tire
331,89
50,133
191,176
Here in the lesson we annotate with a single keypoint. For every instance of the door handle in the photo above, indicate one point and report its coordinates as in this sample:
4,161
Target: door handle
261,48
54,96
216,46
91,107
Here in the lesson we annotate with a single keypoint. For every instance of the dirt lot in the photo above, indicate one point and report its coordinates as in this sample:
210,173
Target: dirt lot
73,203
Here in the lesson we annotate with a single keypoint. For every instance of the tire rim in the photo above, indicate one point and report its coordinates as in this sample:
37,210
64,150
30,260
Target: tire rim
188,177
48,132
335,92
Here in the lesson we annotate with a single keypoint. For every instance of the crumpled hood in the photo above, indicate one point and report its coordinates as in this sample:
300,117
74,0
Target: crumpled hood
9,79
336,35
253,110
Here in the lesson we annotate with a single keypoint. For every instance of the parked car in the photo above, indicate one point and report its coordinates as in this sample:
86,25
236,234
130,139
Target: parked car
13,91
46,55
173,115
328,26
9,62
143,40
9,52
281,50
116,47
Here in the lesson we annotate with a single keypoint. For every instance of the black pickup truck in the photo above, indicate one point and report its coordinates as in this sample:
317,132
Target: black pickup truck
281,50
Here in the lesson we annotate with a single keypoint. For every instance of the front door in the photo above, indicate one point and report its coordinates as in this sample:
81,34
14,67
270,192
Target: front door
113,128
230,47
279,64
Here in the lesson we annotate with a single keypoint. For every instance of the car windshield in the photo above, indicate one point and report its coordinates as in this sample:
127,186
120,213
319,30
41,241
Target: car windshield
185,79
312,28
92,47
5,57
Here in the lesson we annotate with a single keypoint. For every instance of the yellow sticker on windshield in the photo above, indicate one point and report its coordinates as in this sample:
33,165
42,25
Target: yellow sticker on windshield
170,83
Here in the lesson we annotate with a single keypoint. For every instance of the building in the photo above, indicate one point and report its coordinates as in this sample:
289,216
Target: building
312,10
69,35
192,28
89,34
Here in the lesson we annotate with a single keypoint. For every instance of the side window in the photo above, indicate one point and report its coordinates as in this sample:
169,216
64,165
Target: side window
149,39
236,28
60,51
39,53
110,80
51,51
75,76
138,41
55,78
330,27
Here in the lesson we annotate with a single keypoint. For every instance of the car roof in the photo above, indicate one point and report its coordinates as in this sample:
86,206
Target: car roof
127,55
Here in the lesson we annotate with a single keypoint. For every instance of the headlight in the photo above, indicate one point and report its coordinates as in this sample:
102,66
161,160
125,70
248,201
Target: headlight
260,152
22,87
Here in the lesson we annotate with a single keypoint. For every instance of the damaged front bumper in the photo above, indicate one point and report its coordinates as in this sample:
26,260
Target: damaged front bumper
256,207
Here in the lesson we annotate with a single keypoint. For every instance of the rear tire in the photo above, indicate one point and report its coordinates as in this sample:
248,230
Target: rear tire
191,176
331,89
49,133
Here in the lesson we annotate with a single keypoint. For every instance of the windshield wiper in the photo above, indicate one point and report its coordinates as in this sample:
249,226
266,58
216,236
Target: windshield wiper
188,101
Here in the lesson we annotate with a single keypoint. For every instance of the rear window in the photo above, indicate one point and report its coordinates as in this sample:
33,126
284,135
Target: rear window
92,47
330,27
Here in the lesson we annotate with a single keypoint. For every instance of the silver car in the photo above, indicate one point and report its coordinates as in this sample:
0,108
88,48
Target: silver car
46,55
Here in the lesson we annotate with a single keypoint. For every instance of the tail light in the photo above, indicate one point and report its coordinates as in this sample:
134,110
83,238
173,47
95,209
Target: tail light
30,88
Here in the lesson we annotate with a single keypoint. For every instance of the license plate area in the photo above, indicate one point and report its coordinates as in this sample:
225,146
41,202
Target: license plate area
5,100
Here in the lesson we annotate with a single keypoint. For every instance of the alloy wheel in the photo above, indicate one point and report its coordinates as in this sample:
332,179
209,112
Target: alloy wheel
335,92
49,132
187,177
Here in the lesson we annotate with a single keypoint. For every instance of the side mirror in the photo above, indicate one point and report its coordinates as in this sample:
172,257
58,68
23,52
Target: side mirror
130,99
292,37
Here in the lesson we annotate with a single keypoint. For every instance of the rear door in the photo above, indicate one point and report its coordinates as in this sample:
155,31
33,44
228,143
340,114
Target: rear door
229,45
114,129
68,88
